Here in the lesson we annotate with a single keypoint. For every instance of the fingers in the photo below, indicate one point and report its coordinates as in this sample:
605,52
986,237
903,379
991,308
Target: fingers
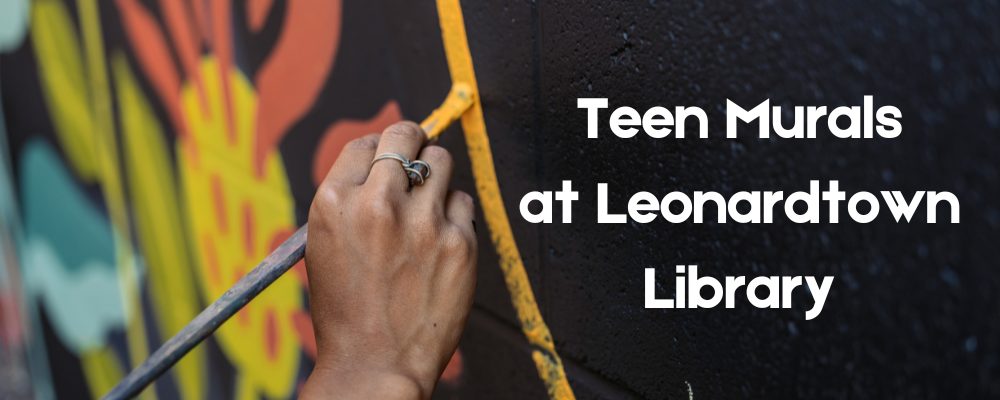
459,210
351,167
435,188
403,138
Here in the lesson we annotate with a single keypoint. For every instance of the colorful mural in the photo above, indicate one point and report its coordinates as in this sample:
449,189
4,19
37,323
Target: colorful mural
164,159
17,368
153,150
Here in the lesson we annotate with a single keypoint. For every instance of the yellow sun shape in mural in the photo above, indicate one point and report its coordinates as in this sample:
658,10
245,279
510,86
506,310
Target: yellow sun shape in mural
235,215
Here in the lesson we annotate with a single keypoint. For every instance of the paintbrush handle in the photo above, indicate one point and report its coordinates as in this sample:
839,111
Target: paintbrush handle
248,287
459,99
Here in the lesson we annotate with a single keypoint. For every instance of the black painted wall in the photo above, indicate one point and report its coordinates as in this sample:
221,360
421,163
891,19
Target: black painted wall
913,312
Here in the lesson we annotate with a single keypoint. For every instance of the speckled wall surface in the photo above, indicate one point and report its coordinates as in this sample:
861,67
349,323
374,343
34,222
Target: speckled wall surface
914,309
913,312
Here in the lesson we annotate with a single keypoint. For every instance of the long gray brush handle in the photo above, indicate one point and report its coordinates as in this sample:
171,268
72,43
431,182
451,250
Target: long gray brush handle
272,267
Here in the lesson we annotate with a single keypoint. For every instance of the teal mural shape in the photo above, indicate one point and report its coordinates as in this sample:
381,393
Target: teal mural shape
13,23
67,256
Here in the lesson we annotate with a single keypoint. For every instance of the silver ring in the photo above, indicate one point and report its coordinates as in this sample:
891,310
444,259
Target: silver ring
417,171
390,156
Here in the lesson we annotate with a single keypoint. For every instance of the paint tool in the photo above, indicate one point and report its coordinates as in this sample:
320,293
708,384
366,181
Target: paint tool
459,99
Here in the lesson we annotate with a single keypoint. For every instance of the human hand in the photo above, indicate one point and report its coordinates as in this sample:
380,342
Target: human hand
391,270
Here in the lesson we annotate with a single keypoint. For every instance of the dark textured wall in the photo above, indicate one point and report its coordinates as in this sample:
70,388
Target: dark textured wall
913,310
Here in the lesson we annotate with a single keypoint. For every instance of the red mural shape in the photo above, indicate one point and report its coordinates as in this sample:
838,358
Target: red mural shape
199,9
453,371
293,74
186,43
153,53
341,132
257,12
287,83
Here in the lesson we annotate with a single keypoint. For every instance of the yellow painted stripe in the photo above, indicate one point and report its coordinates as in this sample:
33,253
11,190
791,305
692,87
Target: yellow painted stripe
459,99
152,189
456,48
101,369
111,182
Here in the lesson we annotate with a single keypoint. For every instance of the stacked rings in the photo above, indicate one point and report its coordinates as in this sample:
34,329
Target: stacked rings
417,171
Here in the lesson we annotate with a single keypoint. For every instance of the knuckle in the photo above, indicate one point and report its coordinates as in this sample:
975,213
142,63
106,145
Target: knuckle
461,202
405,130
367,142
465,199
437,155
327,199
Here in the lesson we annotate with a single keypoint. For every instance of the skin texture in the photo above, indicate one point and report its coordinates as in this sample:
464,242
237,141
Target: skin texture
391,270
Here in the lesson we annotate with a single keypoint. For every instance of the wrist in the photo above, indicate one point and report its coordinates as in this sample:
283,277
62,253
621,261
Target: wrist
348,383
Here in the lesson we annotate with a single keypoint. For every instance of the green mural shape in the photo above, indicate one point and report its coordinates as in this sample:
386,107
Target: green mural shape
67,257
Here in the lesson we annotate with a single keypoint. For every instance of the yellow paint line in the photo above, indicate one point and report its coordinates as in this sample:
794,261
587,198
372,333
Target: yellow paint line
456,47
100,369
459,99
111,182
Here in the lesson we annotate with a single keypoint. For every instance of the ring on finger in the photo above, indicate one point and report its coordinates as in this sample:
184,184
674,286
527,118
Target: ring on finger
417,171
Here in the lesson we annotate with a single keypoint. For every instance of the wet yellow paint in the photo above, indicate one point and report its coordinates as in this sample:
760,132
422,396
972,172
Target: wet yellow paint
459,99
456,47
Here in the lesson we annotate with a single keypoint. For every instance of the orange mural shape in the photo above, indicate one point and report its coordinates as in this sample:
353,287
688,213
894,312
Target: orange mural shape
153,53
287,83
257,11
233,202
237,198
293,75
341,132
